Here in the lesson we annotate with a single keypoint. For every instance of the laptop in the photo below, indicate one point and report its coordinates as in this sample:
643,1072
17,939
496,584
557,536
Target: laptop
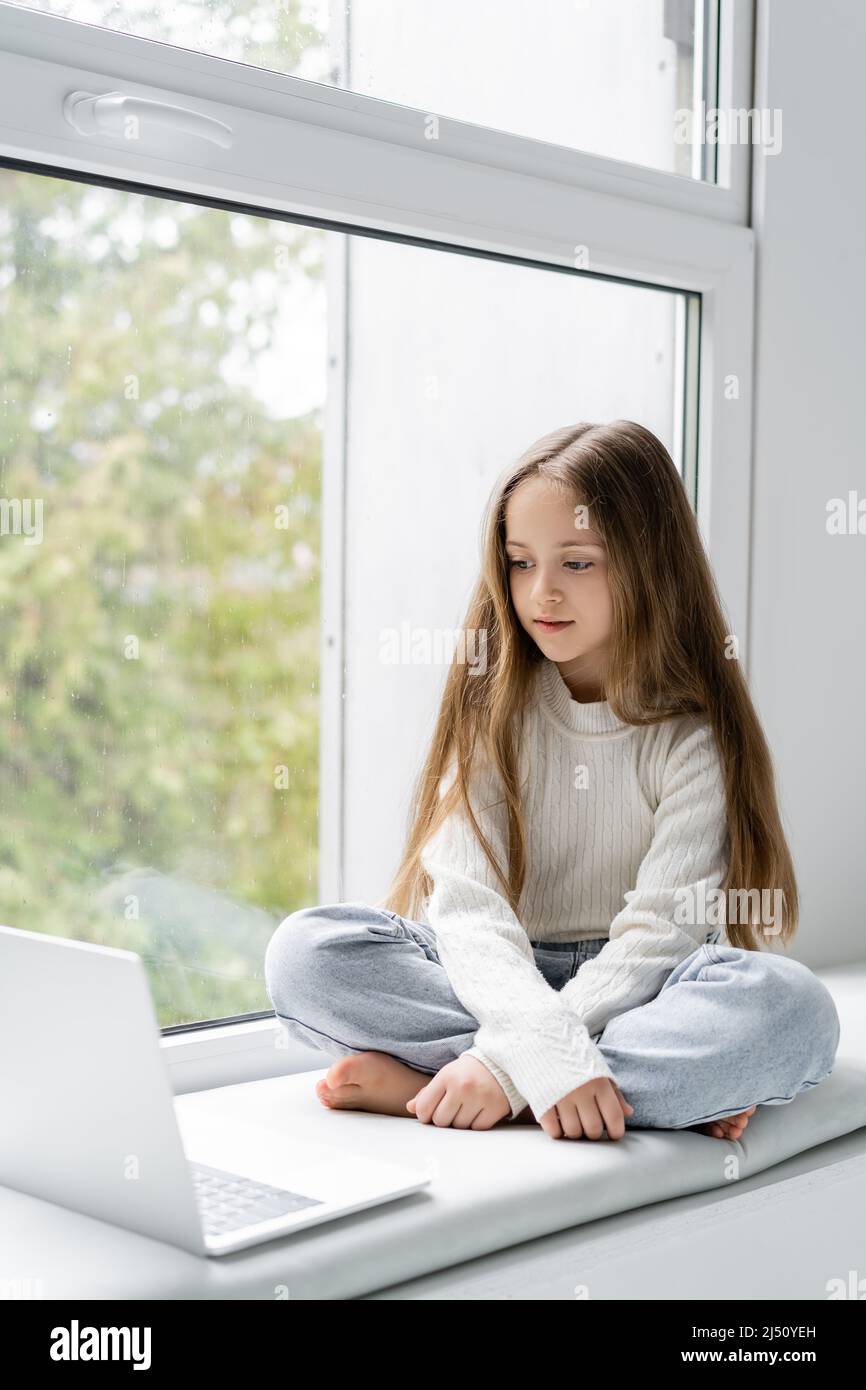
89,1120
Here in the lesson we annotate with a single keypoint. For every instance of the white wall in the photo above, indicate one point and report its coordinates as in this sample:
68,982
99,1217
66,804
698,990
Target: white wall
807,661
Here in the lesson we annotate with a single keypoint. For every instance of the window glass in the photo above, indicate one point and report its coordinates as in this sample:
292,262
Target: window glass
163,371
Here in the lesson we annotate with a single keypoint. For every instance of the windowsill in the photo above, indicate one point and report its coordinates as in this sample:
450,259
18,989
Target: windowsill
204,1059
548,1219
500,1205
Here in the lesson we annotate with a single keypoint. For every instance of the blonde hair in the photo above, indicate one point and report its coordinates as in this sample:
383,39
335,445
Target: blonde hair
667,657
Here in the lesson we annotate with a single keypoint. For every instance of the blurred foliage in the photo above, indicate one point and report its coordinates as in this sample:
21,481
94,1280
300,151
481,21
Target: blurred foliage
139,801
284,35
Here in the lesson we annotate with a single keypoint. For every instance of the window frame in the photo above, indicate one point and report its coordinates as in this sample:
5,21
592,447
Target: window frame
363,166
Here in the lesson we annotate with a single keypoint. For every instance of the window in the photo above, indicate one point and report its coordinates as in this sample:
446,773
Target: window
605,76
164,373
261,384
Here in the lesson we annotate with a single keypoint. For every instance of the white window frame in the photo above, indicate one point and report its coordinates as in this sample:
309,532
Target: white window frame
336,158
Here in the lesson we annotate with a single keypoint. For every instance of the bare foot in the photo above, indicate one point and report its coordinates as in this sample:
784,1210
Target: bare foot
371,1081
731,1127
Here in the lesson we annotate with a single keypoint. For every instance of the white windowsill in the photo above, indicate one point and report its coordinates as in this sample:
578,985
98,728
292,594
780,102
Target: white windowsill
203,1059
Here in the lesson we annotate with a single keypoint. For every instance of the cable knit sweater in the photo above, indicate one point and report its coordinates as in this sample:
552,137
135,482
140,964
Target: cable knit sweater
618,819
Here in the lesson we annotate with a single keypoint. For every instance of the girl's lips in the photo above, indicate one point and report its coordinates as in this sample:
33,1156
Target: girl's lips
553,627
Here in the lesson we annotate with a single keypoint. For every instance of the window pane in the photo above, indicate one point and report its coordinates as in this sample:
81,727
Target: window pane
163,375
611,77
458,363
170,375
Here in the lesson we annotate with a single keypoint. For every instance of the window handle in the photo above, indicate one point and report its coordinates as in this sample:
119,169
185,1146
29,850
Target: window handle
110,114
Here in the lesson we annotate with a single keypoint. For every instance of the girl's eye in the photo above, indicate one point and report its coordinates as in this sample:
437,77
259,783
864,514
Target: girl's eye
588,564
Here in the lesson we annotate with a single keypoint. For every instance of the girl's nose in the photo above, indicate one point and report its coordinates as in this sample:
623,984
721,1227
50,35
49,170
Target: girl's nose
546,592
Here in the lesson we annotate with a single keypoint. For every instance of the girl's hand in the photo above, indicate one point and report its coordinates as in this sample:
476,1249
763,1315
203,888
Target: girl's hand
462,1095
587,1111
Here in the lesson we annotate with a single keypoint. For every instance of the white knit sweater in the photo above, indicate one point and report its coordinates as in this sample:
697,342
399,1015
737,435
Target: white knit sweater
618,818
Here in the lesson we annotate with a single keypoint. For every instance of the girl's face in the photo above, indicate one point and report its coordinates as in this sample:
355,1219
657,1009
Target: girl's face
558,570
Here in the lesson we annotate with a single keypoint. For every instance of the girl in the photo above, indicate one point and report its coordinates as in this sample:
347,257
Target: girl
595,802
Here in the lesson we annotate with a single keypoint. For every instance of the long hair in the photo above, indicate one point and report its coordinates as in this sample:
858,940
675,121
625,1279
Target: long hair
670,653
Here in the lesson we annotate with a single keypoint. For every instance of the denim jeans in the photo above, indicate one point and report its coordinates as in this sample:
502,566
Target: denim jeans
728,1029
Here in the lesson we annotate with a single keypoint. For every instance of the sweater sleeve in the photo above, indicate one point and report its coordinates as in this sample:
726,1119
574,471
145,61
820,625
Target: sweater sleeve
531,1041
689,848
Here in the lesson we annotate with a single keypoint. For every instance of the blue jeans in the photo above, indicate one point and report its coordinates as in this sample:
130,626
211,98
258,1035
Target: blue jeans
728,1029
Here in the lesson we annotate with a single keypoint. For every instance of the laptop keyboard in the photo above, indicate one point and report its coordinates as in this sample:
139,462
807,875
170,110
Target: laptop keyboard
228,1201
